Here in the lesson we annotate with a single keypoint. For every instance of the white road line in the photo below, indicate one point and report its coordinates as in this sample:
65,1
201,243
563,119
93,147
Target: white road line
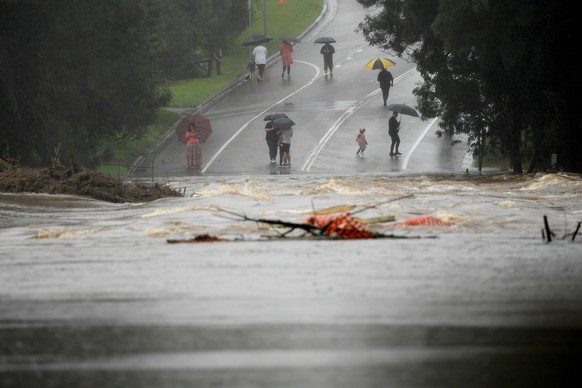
349,112
245,125
405,164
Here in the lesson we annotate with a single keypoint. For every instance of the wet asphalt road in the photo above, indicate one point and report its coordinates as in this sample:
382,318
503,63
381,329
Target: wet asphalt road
327,112
309,354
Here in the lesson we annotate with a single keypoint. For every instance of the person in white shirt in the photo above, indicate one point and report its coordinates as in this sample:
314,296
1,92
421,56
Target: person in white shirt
260,54
285,140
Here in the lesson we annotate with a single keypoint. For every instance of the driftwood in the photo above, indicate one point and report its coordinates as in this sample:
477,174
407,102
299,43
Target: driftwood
548,235
342,226
320,225
198,239
75,180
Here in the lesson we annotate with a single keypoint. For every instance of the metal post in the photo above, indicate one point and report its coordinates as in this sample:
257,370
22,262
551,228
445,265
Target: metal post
250,6
250,18
265,14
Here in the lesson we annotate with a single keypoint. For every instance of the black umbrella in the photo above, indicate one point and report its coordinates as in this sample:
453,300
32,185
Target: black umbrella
290,39
274,116
256,40
325,39
402,109
283,123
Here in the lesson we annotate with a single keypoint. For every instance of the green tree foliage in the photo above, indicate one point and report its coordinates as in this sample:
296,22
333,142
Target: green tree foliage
191,29
74,72
494,67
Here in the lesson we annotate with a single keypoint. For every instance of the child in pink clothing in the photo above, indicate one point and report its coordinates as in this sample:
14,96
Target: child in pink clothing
362,142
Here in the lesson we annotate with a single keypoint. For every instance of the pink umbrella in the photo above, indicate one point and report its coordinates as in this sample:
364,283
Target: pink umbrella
203,127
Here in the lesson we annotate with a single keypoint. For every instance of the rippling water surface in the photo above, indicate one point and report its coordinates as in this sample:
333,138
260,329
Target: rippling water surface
485,204
92,293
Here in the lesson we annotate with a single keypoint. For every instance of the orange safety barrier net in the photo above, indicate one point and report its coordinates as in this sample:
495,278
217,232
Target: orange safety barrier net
341,226
424,221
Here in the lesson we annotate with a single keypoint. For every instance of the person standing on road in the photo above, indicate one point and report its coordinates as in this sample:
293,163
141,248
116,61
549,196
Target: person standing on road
280,147
362,142
286,135
327,51
393,128
286,51
193,153
386,81
272,137
260,56
251,67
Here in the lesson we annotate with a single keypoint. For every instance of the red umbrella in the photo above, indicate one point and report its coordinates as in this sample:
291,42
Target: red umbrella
203,127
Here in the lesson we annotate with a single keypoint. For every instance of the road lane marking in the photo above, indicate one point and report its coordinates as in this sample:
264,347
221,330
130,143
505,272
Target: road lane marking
245,125
349,112
417,142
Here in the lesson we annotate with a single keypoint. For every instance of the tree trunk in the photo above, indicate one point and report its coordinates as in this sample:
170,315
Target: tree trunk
534,161
515,158
514,140
481,149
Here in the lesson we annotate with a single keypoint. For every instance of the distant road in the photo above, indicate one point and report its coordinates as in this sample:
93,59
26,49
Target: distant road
327,113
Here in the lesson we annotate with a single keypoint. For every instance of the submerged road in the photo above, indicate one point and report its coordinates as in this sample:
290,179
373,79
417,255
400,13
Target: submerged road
100,300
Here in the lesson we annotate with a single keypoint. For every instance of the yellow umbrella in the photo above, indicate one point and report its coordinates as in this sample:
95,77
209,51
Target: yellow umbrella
379,63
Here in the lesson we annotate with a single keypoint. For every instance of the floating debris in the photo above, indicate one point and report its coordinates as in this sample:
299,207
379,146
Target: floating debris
548,235
321,224
199,239
332,210
379,219
341,227
424,221
76,180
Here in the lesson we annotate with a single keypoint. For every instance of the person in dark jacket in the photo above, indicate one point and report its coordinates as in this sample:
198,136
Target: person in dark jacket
386,81
327,51
393,128
272,137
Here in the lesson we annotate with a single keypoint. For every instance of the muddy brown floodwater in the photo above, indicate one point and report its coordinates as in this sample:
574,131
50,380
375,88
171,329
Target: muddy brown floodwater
93,295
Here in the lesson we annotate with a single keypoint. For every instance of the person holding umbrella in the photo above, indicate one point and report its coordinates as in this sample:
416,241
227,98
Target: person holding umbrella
272,138
193,153
394,125
260,56
327,50
286,51
393,128
284,125
386,81
286,134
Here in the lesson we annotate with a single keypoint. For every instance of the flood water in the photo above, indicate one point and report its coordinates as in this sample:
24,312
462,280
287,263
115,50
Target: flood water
92,294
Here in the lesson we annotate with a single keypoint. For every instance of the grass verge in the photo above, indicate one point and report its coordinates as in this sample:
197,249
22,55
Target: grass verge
129,150
288,19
